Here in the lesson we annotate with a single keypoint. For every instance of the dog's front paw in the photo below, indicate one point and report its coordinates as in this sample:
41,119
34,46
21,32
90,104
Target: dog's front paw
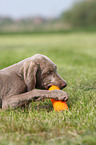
59,95
63,96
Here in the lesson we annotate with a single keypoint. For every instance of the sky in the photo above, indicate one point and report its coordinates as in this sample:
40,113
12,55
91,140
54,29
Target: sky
26,8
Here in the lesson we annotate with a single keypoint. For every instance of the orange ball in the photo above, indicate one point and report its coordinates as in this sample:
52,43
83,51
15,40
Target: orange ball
58,105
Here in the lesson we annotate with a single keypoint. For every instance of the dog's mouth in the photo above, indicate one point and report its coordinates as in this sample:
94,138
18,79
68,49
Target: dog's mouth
61,87
48,85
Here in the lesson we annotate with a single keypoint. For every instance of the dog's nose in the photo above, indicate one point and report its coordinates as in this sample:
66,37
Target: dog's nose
63,85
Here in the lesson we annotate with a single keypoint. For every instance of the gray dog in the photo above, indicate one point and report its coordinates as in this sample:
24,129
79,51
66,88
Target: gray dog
29,81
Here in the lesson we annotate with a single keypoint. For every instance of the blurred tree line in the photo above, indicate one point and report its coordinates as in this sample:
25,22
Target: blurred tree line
82,14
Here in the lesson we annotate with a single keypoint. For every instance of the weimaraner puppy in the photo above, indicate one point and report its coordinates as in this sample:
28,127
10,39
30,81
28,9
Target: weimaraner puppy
29,81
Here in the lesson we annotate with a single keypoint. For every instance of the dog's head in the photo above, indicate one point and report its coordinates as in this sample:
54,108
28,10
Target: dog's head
41,73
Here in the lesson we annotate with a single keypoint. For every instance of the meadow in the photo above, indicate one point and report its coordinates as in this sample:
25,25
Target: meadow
75,57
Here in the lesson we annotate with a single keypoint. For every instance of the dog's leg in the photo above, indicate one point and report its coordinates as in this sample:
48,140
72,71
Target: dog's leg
21,99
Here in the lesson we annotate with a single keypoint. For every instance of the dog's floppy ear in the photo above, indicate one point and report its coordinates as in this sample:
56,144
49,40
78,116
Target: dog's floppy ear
28,73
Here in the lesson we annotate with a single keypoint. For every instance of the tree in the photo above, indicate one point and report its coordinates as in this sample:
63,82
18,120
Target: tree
81,14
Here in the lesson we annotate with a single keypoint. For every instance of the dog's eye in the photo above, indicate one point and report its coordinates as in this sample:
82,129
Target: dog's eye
48,72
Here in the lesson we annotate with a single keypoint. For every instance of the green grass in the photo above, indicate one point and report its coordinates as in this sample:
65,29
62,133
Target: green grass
75,56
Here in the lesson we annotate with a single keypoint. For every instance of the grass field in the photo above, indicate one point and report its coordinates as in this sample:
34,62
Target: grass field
75,56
